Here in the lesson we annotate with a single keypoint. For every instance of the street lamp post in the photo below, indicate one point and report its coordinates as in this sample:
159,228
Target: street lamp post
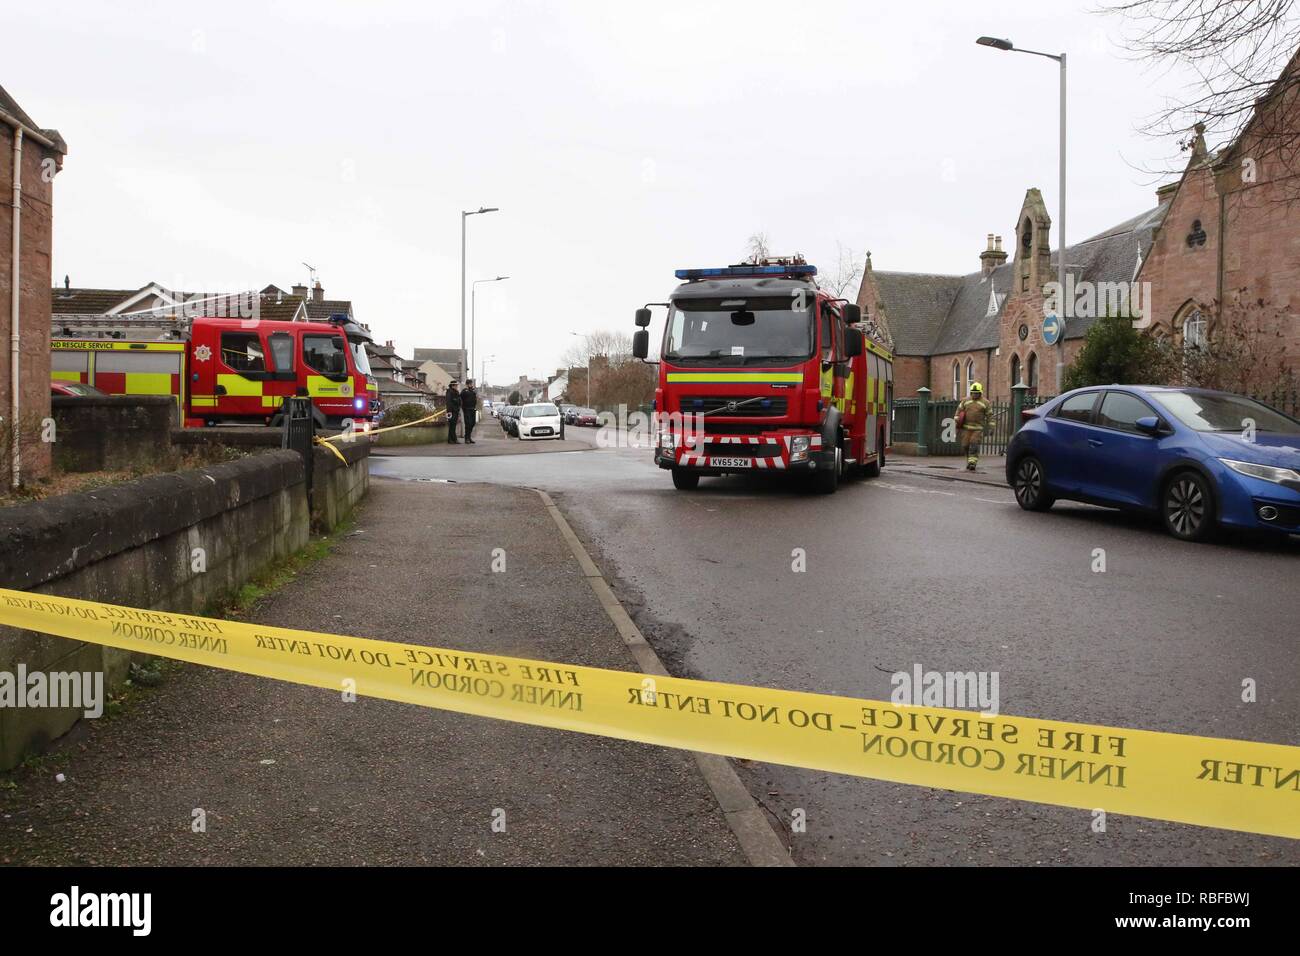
482,375
587,340
473,322
998,44
465,368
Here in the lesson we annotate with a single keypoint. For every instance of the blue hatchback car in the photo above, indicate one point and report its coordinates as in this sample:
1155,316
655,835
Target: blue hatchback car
1199,459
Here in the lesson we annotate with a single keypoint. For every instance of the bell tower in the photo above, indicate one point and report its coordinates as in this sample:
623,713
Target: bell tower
1033,244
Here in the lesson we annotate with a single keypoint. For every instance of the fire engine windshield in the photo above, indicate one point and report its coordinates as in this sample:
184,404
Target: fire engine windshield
362,360
738,331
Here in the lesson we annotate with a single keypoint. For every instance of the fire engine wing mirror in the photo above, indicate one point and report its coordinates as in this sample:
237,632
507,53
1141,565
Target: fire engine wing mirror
641,338
853,344
642,317
852,313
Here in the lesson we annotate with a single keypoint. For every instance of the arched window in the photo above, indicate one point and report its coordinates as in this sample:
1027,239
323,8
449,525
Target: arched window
956,379
1015,370
1194,330
1190,326
970,372
1033,373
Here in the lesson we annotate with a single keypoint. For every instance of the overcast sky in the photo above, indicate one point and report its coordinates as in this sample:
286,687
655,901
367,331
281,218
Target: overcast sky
220,145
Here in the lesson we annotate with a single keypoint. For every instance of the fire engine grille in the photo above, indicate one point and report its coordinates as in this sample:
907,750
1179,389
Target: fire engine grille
764,406
741,450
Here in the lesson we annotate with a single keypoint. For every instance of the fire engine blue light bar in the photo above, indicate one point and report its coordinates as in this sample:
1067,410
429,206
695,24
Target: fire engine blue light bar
746,271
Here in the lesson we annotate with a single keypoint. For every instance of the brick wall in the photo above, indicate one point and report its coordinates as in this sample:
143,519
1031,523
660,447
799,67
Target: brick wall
1248,203
34,290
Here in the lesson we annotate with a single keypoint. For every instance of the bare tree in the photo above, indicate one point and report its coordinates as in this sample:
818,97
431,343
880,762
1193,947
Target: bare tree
757,247
1239,50
845,274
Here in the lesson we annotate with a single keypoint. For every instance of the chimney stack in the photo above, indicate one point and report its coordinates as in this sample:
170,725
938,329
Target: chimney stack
300,290
993,256
318,293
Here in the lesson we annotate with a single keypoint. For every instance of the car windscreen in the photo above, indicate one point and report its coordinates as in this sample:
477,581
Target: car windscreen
1224,413
738,330
540,411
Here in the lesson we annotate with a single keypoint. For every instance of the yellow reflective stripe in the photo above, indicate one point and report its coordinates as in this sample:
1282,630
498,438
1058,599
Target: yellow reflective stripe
97,345
272,401
65,376
238,385
148,383
320,385
723,377
205,401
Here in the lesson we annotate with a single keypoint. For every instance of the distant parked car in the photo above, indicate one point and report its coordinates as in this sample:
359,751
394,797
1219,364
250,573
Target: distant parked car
509,419
568,413
1198,458
538,420
73,388
585,416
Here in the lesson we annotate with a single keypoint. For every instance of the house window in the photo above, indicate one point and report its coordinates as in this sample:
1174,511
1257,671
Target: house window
1033,374
970,372
956,380
1015,370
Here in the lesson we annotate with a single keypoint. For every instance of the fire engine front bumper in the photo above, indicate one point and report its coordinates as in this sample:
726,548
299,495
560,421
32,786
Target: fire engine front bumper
723,454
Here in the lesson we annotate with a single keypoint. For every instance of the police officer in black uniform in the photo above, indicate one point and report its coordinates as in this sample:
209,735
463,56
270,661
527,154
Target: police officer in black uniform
469,405
453,411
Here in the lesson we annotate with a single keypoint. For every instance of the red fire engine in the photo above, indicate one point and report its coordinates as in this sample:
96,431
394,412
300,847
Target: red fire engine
221,369
761,370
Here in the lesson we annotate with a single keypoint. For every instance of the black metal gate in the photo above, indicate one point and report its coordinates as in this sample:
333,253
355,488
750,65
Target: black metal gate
300,432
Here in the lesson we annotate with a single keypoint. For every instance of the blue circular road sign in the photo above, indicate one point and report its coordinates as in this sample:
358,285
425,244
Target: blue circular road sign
1053,329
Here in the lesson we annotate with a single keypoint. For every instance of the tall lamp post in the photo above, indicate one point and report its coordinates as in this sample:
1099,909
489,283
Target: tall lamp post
587,340
482,375
465,367
473,324
998,44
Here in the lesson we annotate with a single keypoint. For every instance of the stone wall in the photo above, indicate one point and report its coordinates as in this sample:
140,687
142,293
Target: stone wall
173,542
110,432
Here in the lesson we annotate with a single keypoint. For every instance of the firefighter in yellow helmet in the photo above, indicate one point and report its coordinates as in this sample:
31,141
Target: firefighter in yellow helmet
974,414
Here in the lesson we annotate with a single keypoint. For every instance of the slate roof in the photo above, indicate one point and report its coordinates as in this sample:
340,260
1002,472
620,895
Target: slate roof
276,306
931,314
321,311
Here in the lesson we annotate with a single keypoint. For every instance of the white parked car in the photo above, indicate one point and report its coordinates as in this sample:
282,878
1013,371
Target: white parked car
539,420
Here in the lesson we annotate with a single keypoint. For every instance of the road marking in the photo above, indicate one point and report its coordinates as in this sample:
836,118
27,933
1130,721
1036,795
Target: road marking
758,840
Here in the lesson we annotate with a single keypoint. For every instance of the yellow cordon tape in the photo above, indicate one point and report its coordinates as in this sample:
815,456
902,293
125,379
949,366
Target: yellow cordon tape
1232,784
316,439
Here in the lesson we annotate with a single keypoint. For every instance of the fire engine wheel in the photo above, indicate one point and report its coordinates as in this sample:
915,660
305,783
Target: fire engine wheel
872,468
826,480
684,480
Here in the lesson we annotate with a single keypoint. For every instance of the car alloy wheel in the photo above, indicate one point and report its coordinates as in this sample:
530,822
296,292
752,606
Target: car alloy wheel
1187,507
1029,485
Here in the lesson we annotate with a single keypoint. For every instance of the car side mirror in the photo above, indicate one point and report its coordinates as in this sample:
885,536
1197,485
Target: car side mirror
1149,425
641,338
642,317
852,313
853,344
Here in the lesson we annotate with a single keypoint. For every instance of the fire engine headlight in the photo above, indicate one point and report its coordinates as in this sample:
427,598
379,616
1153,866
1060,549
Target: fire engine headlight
358,403
799,447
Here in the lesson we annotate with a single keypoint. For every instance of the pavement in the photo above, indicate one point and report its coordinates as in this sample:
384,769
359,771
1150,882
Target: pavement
284,774
953,575
990,471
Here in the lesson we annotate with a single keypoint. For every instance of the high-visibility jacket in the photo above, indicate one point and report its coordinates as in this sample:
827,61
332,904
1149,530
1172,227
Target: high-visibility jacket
978,415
